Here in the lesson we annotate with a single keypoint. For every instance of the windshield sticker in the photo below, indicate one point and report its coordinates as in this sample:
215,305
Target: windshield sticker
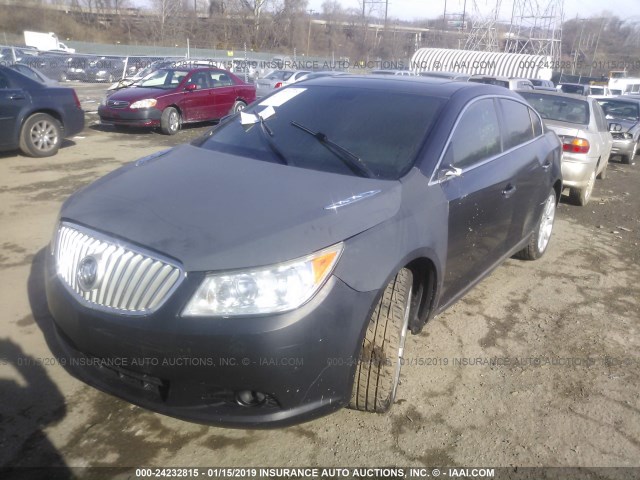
251,118
281,97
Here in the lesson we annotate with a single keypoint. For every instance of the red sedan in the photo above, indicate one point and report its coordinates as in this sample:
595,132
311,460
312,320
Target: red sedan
169,97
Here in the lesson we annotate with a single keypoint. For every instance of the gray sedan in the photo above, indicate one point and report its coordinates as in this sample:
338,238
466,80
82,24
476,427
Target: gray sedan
581,125
626,112
277,79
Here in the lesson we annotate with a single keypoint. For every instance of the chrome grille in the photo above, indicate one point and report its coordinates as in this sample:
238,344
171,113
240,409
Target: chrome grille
117,103
126,279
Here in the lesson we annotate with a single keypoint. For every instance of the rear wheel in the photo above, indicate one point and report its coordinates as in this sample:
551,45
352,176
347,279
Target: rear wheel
41,136
540,238
170,121
603,174
238,106
378,370
581,196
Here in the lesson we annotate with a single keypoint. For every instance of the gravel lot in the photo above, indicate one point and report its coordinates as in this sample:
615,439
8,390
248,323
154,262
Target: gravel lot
579,303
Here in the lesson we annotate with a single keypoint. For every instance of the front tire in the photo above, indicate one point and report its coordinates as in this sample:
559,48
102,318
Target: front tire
540,239
378,370
170,121
41,136
626,159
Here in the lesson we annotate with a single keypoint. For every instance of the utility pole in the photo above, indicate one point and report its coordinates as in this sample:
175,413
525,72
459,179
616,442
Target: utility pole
311,12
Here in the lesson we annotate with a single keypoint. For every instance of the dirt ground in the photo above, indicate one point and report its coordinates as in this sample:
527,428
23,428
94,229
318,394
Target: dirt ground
537,366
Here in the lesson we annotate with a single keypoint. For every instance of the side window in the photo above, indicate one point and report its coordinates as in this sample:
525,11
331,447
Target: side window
477,135
518,128
537,124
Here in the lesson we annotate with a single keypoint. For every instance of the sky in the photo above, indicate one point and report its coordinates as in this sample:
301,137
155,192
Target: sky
420,9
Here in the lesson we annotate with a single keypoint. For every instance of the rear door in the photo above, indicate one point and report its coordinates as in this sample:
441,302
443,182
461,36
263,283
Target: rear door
12,100
523,155
480,194
224,93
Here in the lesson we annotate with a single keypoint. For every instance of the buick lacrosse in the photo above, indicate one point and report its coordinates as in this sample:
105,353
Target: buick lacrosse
269,272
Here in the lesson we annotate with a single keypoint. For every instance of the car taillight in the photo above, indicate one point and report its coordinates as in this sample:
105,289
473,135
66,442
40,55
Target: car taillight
278,85
76,100
575,145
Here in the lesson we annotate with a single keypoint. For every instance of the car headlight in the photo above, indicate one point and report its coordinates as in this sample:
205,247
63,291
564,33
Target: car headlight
273,289
146,103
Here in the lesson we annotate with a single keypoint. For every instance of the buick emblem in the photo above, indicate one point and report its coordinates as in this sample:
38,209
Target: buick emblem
87,275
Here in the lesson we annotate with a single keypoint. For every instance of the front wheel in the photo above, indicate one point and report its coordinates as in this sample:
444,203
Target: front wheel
170,121
41,136
381,356
627,159
540,238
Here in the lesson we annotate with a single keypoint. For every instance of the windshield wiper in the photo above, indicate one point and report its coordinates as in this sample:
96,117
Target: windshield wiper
354,162
267,133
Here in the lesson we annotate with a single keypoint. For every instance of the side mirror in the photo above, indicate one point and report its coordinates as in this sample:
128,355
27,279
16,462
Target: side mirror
191,87
615,127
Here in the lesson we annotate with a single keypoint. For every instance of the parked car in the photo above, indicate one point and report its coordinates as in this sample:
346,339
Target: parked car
53,66
624,111
270,271
95,69
599,91
170,97
461,77
542,84
574,88
278,79
35,117
33,74
506,82
327,73
581,125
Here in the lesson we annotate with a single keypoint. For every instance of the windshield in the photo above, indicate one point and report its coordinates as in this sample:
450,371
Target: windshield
279,75
560,108
166,79
620,110
383,130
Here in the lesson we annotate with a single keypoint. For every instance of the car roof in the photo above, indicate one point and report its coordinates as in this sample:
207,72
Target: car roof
427,86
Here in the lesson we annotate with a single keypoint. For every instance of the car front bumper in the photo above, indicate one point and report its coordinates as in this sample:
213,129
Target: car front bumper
194,368
144,117
623,147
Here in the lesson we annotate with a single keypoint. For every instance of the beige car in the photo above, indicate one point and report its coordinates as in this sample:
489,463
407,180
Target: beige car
583,129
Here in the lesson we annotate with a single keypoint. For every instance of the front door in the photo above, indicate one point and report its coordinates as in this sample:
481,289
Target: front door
12,101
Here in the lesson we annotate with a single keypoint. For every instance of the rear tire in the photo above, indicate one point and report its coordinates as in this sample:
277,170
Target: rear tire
238,106
581,196
540,239
170,121
41,136
378,370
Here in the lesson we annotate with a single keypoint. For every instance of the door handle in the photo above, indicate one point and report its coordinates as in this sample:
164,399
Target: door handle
509,191
546,165
17,96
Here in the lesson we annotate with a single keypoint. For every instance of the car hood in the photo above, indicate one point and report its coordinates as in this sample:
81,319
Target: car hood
132,94
215,211
627,125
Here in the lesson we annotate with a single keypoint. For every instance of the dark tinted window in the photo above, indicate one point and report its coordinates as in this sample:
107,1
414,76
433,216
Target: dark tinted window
477,135
385,129
4,83
517,123
577,89
490,81
557,107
